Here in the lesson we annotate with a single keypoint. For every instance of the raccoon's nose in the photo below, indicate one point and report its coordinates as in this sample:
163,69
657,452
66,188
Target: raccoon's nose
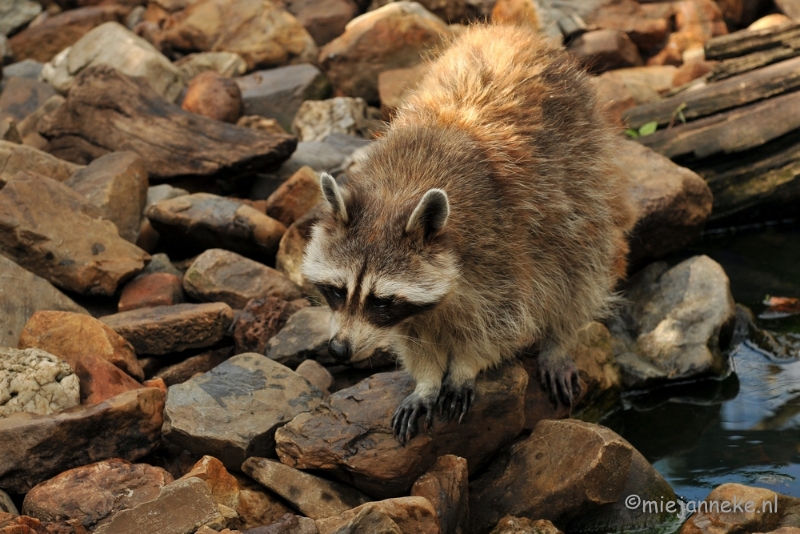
339,350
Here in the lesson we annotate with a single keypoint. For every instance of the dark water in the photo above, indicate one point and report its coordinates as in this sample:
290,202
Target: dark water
745,428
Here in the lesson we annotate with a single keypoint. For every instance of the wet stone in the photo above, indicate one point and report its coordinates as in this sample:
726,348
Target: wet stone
222,276
22,293
350,436
38,447
54,232
233,411
35,381
278,93
201,221
675,323
313,496
168,329
93,493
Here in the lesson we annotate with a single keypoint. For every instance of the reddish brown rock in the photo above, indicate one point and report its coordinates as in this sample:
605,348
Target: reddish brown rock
73,336
260,320
516,12
224,487
324,21
39,447
404,514
15,158
181,507
156,289
117,185
53,232
222,276
395,36
317,374
396,84
523,525
195,365
215,96
167,329
43,41
350,435
289,259
258,506
261,32
91,494
572,473
696,22
22,96
313,496
295,197
647,28
195,223
445,485
603,50
22,524
767,512
288,524
101,380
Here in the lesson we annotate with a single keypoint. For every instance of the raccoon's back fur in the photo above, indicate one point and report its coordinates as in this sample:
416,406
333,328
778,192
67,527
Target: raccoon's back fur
492,213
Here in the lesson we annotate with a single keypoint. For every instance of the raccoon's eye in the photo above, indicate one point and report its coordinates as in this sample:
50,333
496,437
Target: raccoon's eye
381,302
333,294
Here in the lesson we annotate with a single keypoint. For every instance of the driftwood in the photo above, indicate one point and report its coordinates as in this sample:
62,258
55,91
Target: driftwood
746,42
737,91
756,60
107,111
736,130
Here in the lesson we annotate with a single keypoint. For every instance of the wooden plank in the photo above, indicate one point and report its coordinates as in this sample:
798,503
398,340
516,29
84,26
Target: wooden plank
107,111
756,60
749,41
726,133
736,91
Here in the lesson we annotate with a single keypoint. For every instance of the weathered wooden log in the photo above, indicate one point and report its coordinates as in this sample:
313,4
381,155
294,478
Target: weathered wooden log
736,130
756,60
737,91
749,41
767,175
107,111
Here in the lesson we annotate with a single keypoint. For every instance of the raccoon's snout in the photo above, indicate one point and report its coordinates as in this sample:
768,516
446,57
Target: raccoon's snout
341,351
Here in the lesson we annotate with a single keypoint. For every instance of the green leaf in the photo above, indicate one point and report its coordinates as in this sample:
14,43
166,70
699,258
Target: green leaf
648,128
630,132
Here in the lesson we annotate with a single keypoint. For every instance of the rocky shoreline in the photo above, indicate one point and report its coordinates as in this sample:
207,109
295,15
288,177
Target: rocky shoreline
163,361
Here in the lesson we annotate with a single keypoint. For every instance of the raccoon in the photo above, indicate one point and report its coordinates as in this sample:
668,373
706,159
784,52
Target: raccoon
489,218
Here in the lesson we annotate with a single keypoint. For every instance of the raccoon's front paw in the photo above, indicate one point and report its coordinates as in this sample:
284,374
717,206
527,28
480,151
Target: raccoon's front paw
456,399
559,377
404,421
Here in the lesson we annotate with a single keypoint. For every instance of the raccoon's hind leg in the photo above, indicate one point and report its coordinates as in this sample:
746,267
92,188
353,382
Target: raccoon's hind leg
558,373
427,370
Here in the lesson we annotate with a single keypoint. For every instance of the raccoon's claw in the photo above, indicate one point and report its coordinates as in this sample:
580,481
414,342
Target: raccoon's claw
404,421
456,400
561,380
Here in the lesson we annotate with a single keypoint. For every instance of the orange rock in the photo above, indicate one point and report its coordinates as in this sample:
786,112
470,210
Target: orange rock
100,380
214,95
516,12
73,336
295,197
224,487
156,289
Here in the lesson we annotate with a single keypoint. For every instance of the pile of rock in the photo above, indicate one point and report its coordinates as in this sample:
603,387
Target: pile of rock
162,367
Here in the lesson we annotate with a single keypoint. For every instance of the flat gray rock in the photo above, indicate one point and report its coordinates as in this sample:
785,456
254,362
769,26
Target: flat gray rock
233,411
278,93
674,322
22,293
14,14
304,337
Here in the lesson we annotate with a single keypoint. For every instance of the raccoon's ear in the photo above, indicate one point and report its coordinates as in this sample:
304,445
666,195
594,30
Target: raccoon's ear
431,213
332,193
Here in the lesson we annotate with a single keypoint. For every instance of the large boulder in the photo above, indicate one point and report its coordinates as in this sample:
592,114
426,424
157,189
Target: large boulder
15,158
675,323
350,436
573,473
